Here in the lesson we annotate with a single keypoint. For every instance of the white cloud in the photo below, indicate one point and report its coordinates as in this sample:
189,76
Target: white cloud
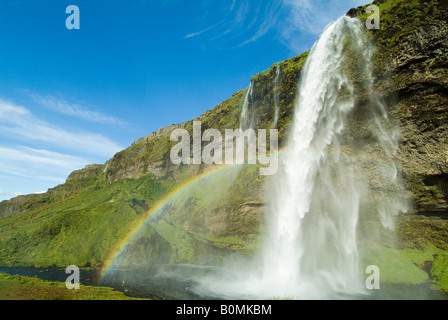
194,34
40,157
20,122
232,5
239,17
8,195
270,20
28,164
306,17
37,155
292,20
313,16
76,110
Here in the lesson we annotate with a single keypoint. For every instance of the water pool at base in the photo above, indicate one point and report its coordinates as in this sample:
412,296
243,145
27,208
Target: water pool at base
184,282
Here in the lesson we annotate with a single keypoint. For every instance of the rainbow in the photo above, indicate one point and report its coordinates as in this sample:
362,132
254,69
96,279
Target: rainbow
158,206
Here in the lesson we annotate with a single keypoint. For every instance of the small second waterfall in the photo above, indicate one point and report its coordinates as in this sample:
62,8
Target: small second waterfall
276,96
247,119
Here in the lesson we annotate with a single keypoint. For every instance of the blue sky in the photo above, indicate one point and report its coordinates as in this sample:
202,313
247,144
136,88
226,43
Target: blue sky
73,97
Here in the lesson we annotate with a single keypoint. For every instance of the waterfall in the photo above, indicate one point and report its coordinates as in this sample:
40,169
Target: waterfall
312,235
310,249
247,117
247,123
276,96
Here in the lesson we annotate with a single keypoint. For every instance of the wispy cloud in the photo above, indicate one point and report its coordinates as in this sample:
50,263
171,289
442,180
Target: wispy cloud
232,5
75,110
271,17
313,16
22,123
245,21
8,195
40,157
191,35
36,154
26,165
29,164
302,19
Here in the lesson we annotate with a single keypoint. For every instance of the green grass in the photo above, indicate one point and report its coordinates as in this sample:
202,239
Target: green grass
407,266
86,227
26,288
439,270
199,224
80,230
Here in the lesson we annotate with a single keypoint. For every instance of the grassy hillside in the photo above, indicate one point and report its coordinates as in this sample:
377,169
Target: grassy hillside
84,229
80,229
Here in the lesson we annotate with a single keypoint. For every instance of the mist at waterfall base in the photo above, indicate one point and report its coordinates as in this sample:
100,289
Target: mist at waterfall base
310,250
328,183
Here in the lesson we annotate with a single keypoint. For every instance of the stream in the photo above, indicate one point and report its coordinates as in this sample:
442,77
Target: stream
183,282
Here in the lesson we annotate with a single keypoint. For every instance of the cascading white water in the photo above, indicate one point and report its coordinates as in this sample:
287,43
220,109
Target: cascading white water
311,249
311,246
247,120
276,96
312,243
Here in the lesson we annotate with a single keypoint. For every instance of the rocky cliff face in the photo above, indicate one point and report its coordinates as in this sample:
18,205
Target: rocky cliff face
150,154
413,79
